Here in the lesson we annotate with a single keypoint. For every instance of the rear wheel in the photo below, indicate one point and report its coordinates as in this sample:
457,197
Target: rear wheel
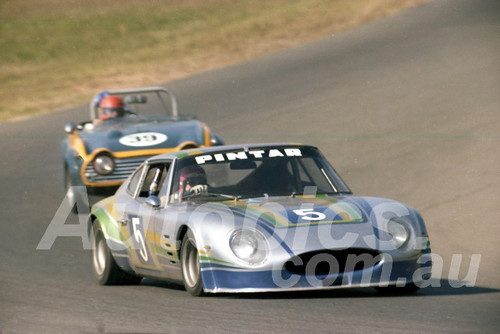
104,265
190,264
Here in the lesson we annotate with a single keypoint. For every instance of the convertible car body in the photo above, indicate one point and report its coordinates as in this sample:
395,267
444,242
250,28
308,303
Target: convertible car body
100,154
270,217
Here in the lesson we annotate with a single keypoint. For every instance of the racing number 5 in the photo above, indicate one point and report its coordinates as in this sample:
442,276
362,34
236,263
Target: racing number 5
139,238
309,214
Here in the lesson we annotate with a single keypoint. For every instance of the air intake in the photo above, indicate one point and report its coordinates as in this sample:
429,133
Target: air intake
328,261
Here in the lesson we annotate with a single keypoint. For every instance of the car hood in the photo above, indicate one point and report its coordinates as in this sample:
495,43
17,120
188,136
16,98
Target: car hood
302,223
288,212
127,136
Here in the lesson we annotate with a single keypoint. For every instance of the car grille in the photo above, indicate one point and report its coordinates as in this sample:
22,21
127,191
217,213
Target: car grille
328,261
123,168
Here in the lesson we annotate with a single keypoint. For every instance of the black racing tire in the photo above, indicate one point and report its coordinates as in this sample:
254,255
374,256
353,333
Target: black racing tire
392,290
190,265
104,265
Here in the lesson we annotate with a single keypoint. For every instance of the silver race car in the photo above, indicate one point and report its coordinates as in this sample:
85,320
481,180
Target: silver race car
252,218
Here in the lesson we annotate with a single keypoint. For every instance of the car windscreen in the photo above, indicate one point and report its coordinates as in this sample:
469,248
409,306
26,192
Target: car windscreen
263,172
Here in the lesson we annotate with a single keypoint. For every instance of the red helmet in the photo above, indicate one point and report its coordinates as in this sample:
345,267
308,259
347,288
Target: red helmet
111,107
191,175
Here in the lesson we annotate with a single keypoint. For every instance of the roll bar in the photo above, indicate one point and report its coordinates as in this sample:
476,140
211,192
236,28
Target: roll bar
160,91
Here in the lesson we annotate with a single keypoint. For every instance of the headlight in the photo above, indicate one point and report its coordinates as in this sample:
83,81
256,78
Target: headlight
249,246
399,232
104,164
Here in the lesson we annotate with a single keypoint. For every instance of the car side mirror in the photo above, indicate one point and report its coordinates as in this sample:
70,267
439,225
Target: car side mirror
153,201
70,127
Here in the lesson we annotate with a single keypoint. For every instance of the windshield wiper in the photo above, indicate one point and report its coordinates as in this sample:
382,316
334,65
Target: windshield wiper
294,194
233,197
209,194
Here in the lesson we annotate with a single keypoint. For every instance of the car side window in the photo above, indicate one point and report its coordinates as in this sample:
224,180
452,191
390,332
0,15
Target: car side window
134,181
154,180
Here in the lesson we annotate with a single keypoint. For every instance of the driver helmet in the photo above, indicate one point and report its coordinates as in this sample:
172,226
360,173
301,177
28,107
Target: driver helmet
191,176
111,107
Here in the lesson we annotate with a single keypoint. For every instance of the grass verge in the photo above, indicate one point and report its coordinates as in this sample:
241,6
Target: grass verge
57,53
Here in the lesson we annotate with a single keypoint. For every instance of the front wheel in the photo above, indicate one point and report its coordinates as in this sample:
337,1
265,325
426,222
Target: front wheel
190,264
104,265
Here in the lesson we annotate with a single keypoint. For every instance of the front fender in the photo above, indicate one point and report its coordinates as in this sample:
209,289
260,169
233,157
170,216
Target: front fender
115,239
72,163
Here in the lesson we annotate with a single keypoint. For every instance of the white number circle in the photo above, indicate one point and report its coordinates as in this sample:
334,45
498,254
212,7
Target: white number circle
143,139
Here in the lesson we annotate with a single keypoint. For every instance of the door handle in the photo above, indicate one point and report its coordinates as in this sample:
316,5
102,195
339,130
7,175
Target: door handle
123,221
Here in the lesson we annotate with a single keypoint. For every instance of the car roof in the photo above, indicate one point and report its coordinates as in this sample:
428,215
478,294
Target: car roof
223,148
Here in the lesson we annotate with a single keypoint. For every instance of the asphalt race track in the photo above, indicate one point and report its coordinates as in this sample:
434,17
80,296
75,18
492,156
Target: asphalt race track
406,107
